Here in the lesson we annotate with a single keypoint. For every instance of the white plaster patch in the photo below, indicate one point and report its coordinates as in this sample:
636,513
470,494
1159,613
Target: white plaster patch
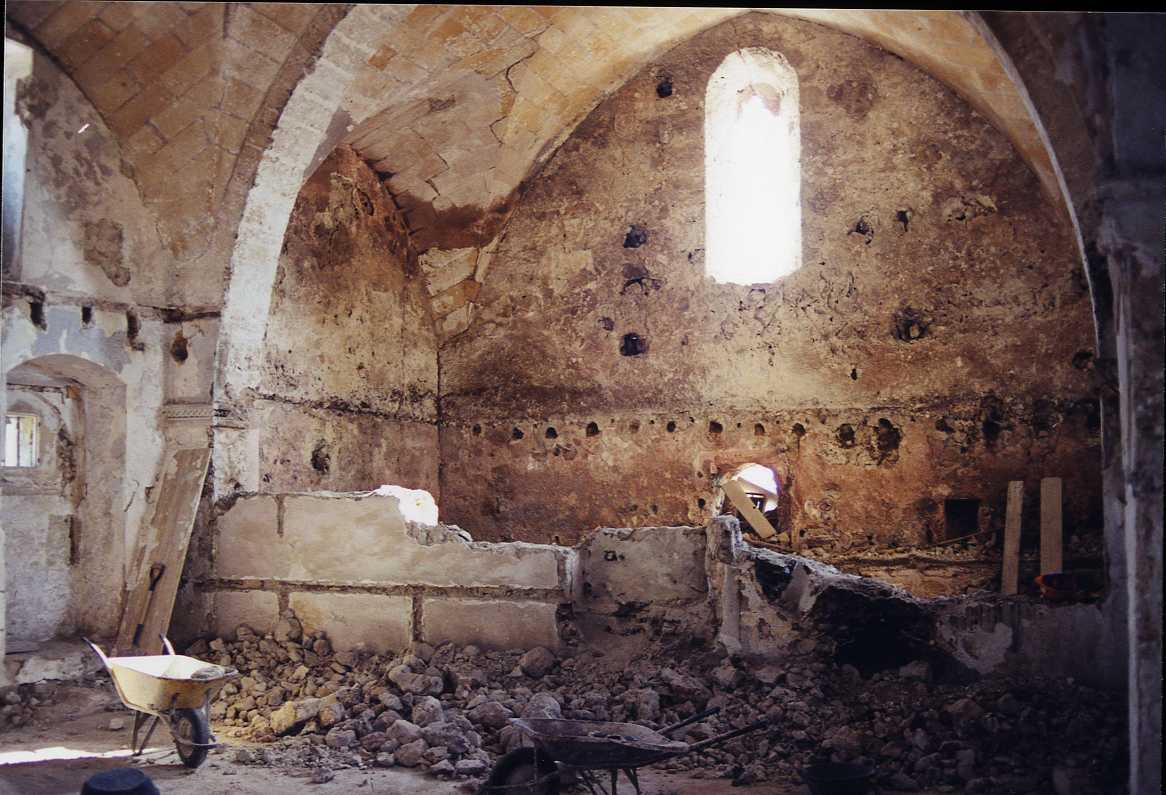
416,505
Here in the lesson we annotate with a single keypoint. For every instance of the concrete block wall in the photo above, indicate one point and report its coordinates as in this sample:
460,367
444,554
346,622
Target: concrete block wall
369,568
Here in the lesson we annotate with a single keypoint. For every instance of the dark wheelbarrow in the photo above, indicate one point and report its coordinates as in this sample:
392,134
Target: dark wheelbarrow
585,747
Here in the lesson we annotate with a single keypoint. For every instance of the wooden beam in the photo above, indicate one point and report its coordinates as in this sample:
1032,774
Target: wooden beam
159,559
736,494
1050,525
1010,576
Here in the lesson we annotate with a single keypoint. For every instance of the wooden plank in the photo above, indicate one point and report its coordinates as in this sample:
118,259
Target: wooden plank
1050,525
1010,576
736,494
165,539
755,489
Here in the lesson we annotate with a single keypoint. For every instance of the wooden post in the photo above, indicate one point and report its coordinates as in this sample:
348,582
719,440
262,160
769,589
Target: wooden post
1010,576
1050,525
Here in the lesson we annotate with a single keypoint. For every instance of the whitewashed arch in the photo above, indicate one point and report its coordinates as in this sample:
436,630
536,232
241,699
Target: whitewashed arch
321,110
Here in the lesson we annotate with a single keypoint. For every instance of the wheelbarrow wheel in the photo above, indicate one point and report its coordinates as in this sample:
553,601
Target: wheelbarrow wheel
192,735
522,772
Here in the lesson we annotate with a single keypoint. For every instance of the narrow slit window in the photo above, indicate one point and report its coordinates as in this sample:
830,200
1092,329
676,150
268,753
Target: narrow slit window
753,222
21,439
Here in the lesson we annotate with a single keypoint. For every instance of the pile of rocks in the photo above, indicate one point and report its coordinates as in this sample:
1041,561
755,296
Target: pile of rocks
17,703
447,710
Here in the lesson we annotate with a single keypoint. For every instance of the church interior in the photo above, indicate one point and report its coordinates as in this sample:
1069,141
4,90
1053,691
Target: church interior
537,399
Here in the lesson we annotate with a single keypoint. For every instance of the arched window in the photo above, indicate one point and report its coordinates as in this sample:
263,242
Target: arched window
753,219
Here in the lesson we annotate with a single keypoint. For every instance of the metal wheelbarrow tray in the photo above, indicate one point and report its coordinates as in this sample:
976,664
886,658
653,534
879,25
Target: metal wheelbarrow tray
172,687
585,746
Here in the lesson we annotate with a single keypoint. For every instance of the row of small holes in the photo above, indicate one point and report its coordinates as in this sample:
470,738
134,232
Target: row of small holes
634,426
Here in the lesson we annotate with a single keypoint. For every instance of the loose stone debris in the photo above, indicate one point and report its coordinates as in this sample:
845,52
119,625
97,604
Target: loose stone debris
17,704
446,710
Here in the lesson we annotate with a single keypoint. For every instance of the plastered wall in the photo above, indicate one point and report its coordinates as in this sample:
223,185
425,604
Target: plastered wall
936,343
86,306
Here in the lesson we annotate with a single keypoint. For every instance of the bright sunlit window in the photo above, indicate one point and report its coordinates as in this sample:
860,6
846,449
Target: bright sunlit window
760,483
753,220
20,440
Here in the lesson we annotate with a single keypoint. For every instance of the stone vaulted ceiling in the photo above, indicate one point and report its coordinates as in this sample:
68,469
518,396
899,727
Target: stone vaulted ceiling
453,105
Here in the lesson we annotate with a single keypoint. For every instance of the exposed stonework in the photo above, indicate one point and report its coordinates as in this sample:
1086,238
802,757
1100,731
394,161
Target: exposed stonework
180,87
892,355
348,398
86,228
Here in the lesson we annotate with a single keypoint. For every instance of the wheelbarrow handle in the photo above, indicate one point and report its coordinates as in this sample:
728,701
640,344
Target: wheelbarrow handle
97,650
167,646
693,719
720,738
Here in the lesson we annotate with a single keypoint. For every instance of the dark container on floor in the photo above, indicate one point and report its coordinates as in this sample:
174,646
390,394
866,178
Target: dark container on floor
837,778
119,781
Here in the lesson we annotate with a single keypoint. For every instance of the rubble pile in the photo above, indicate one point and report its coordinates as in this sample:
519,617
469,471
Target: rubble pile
448,709
17,703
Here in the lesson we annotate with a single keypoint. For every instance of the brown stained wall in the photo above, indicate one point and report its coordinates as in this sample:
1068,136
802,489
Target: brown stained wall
348,398
972,316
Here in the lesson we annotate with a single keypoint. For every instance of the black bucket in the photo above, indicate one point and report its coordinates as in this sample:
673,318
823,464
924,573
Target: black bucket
119,781
837,778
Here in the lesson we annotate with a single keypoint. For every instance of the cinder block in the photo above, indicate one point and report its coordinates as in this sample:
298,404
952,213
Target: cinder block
257,609
380,622
248,544
649,564
489,623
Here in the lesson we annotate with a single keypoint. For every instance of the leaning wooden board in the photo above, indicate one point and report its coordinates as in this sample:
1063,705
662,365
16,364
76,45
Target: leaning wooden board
1010,574
164,541
1051,533
737,495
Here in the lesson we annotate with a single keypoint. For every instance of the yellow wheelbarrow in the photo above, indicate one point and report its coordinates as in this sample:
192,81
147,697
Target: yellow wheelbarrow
170,687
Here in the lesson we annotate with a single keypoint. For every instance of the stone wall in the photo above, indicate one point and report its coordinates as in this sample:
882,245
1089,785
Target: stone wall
867,620
39,502
648,579
377,568
936,343
348,397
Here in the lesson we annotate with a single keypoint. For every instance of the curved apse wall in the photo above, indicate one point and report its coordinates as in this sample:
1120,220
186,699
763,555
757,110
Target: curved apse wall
935,344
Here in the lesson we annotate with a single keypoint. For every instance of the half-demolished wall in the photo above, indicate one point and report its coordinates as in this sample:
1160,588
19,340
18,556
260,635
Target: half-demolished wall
376,569
936,343
764,606
348,398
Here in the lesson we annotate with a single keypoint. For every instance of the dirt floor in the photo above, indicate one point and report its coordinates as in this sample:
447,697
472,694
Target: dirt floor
70,740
